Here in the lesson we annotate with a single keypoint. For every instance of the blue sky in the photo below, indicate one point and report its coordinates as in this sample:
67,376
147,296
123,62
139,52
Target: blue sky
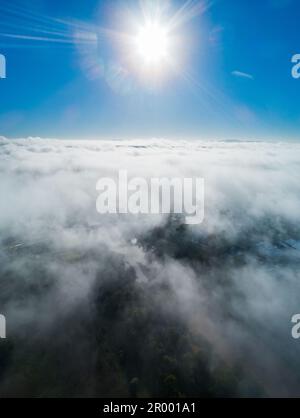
234,81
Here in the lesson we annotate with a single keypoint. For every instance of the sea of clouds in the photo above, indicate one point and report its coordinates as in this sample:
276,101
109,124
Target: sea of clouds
233,281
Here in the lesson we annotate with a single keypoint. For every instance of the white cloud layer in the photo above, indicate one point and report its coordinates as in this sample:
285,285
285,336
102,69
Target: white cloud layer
234,280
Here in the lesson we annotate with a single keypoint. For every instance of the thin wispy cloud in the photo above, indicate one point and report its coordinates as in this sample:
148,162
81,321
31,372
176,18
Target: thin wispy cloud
241,74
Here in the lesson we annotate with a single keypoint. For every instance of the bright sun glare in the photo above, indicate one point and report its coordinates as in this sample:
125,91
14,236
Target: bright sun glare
152,43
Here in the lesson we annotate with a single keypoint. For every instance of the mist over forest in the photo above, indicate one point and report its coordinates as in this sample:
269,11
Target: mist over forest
140,306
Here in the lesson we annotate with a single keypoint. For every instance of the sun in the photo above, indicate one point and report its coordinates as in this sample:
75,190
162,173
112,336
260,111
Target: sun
152,44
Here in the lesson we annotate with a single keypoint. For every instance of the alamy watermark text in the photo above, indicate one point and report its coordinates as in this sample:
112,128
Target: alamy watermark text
2,66
2,327
296,327
152,196
296,67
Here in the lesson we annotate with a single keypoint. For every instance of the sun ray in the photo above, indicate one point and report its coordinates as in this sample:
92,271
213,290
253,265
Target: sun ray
26,25
188,11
